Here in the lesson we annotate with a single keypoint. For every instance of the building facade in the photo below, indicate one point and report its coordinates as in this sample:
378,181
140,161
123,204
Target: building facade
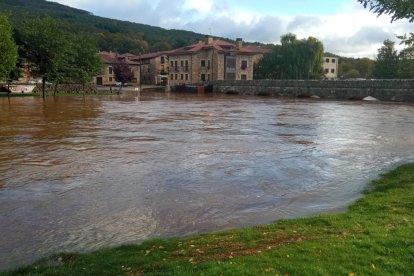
154,68
109,59
210,60
330,67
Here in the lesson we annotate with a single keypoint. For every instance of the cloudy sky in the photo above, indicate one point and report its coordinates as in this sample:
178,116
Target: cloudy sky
344,26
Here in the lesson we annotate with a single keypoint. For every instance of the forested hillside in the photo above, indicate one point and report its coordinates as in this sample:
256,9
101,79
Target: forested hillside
110,34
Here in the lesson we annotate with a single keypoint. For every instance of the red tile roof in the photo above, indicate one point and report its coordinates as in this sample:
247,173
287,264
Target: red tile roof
111,58
220,45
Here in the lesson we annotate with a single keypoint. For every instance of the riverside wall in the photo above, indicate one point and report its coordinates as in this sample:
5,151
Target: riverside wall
384,90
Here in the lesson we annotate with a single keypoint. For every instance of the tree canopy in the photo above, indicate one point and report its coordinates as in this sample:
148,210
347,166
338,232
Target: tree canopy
110,34
123,72
293,59
393,65
398,9
8,49
56,54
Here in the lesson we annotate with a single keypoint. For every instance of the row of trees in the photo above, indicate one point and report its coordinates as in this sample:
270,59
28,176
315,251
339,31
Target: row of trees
393,65
50,50
110,34
390,64
8,49
293,59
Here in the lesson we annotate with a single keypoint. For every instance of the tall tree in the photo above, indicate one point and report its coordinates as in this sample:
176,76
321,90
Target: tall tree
293,59
85,62
406,64
387,64
8,49
47,47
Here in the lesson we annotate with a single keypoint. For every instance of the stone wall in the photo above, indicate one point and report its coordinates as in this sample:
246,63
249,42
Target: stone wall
67,88
384,90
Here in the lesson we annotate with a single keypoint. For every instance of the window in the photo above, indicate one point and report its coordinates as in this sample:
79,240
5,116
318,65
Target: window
186,76
203,63
176,76
208,64
230,76
243,77
172,77
244,64
182,63
110,78
182,76
208,77
326,71
327,60
186,63
333,71
333,60
110,70
231,63
203,77
172,63
162,59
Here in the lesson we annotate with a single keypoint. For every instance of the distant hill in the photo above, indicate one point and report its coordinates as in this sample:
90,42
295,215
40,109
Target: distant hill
111,34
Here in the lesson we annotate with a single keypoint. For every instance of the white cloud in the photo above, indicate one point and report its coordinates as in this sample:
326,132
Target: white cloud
351,31
204,6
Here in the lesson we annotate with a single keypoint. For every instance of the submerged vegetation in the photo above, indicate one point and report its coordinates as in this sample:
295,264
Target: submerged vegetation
374,238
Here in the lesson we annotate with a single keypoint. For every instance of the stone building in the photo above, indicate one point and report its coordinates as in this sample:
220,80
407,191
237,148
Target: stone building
154,68
211,60
330,67
109,59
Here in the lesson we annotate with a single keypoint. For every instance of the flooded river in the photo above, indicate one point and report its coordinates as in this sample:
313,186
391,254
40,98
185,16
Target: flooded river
79,173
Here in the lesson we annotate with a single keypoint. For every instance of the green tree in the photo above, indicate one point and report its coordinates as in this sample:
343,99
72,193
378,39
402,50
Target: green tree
406,65
85,62
48,49
387,63
293,59
8,49
352,74
398,9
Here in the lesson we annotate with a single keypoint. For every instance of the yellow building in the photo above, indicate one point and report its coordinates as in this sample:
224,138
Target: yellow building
211,60
330,67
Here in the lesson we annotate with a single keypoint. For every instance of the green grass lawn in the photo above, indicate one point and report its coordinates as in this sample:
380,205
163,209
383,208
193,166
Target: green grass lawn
376,237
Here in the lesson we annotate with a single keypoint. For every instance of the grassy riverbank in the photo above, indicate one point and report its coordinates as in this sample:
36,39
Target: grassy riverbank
376,237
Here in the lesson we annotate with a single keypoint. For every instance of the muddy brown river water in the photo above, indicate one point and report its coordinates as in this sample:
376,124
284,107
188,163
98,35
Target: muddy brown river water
77,174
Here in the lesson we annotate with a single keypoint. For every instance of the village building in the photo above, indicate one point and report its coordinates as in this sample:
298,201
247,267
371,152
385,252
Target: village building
194,64
211,60
109,59
154,68
330,67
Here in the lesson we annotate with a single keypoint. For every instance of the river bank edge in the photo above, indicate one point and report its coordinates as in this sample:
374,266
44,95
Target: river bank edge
373,238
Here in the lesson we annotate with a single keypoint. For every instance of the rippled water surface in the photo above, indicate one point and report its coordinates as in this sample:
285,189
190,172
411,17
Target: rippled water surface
81,173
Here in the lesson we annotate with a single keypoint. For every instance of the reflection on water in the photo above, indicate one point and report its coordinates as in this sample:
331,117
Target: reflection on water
80,173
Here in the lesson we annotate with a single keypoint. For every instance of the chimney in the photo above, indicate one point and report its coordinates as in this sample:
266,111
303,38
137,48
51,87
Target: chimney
209,40
239,43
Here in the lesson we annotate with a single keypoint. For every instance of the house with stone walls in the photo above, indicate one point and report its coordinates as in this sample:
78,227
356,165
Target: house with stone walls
154,68
109,59
211,60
